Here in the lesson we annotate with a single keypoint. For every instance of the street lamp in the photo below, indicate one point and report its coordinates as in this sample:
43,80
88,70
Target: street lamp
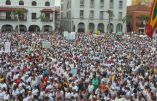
18,24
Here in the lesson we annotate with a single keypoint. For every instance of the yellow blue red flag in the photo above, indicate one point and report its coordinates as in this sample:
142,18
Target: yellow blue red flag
152,24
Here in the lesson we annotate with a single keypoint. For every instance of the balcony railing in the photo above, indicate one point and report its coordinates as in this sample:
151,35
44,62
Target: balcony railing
47,20
8,18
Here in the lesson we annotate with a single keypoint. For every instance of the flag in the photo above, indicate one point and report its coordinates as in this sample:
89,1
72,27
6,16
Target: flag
152,24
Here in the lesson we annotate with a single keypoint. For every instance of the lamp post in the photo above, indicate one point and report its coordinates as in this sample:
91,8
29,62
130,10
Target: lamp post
18,24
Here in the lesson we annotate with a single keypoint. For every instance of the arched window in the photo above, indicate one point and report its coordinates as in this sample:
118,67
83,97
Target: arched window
8,2
47,3
34,3
21,2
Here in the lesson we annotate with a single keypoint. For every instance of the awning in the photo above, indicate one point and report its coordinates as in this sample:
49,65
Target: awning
47,10
10,9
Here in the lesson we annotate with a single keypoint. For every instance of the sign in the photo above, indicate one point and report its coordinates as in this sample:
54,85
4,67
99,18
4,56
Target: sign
69,36
72,35
66,34
7,47
46,44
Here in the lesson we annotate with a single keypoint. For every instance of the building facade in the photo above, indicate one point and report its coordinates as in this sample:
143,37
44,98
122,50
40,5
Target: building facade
137,14
91,15
29,15
142,2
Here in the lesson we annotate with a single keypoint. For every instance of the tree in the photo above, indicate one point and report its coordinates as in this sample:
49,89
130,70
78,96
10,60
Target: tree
127,20
43,18
18,12
110,16
144,19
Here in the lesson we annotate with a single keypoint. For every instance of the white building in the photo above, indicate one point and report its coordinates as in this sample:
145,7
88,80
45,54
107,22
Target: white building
38,15
90,15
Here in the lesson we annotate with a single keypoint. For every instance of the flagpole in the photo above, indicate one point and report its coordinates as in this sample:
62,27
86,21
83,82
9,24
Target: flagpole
18,21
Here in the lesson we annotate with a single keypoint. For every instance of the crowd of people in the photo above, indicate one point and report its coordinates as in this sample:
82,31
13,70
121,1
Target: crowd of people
106,67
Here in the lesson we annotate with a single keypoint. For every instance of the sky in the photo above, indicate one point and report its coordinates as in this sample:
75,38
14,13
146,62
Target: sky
57,2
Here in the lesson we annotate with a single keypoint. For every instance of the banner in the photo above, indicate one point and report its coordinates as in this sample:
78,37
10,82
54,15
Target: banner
46,44
69,36
72,35
65,34
7,47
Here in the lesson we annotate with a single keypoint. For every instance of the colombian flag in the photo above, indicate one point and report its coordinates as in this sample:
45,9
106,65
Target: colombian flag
152,24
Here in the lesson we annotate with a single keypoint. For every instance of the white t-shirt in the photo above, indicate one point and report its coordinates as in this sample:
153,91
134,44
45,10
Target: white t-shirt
67,95
90,88
3,85
6,97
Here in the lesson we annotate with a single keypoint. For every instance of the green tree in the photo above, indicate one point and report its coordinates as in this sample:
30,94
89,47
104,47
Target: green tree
110,16
18,12
127,20
43,17
144,19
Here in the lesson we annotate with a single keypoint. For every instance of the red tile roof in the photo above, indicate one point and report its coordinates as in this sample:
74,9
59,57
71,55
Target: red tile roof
46,10
10,8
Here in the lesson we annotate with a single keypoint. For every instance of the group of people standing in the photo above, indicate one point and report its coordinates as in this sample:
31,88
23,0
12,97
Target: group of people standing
105,67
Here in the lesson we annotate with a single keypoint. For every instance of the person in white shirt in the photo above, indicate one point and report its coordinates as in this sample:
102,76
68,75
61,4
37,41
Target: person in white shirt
6,96
67,95
90,88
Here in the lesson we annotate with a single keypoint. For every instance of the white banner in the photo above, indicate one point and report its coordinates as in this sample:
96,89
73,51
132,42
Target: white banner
7,47
69,36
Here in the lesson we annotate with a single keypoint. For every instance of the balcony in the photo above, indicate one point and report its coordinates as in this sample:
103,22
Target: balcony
47,19
8,18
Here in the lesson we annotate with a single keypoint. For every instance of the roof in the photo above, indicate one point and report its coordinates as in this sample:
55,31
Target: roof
138,8
10,8
46,10
57,8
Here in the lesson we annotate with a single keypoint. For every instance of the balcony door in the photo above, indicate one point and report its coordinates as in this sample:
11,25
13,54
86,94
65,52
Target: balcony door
8,15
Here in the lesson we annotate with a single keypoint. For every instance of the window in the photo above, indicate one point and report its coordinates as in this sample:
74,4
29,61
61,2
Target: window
101,3
69,4
91,14
91,3
68,14
61,14
101,15
81,3
120,4
21,2
34,3
120,16
8,2
61,7
47,3
111,4
34,16
8,13
81,14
